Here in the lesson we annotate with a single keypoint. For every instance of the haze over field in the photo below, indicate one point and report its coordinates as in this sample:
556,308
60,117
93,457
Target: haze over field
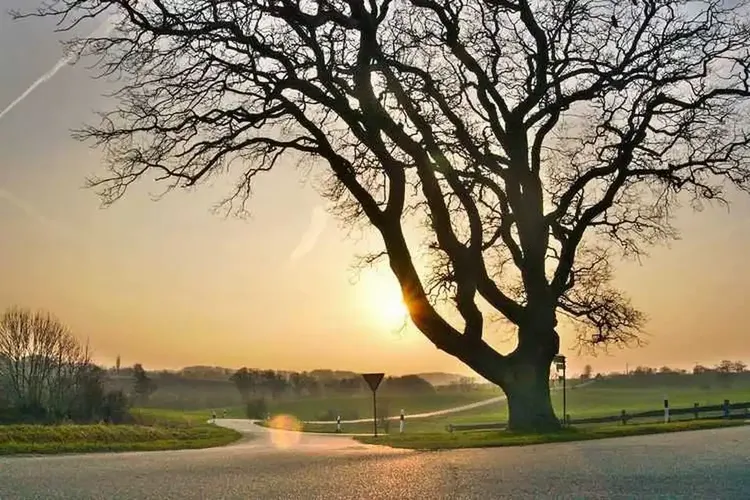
173,285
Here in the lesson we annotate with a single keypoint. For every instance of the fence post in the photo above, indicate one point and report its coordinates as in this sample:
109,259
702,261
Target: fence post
695,410
666,410
624,417
727,410
338,423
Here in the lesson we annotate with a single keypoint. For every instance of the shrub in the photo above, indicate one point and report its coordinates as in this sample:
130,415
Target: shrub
115,408
256,409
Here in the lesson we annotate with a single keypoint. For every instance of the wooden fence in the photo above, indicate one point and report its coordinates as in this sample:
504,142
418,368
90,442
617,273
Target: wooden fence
726,410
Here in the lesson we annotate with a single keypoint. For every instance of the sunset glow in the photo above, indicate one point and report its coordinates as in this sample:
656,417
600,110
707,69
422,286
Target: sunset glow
384,302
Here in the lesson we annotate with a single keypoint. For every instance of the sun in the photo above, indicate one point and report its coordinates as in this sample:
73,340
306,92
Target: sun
394,310
384,301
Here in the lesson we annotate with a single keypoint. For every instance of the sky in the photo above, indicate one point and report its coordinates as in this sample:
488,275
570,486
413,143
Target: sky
170,284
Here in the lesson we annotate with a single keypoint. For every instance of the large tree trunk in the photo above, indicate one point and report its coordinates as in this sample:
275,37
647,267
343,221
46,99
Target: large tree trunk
525,377
526,385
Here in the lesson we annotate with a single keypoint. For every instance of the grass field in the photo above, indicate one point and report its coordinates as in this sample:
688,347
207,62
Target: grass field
438,441
584,401
153,430
359,406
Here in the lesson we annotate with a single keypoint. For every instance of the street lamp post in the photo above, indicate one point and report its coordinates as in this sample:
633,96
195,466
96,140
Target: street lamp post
559,361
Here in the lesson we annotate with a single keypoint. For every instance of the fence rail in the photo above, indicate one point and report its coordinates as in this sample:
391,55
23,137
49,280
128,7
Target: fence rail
726,410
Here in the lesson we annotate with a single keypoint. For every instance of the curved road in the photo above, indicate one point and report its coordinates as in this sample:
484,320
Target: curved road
273,464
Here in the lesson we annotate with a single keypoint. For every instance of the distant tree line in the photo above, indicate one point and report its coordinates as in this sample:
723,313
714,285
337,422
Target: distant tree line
723,374
724,367
272,384
199,387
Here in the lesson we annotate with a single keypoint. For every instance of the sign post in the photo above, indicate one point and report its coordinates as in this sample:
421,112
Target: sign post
559,361
373,380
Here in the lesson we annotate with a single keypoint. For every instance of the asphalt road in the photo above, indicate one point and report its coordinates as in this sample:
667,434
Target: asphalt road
713,464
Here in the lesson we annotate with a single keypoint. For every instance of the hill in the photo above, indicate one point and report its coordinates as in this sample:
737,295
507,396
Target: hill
441,378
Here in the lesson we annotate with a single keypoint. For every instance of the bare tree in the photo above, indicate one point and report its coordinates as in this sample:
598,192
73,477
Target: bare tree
43,362
535,139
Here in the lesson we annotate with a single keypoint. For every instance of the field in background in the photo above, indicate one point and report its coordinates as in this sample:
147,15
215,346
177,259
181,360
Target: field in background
206,388
597,399
602,396
351,407
360,406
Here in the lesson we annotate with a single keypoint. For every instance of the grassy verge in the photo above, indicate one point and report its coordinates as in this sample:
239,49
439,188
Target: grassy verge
152,431
438,441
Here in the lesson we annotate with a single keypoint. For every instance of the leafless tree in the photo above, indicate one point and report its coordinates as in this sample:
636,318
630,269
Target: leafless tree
43,361
537,140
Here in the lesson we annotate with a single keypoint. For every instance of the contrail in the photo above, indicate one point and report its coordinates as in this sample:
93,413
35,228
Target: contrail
106,27
31,212
318,222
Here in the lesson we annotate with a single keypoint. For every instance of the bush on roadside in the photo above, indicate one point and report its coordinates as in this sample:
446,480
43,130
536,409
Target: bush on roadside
256,409
115,406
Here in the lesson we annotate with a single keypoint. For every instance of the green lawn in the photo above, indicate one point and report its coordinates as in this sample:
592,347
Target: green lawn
359,406
444,440
581,402
154,430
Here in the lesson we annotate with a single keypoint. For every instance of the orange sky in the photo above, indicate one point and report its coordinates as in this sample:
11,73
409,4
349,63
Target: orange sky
169,284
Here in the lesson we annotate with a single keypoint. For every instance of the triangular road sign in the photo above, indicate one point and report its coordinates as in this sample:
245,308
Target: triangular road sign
373,380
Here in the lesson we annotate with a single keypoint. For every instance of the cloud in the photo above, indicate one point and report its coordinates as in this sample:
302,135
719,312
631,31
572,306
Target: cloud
318,222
